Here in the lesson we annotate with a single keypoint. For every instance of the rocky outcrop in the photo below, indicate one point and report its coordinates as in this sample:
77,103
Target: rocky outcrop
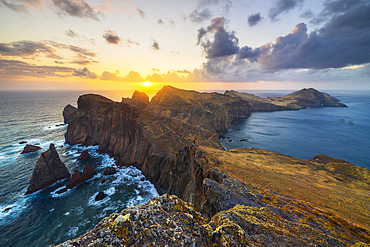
84,155
30,149
212,111
48,170
100,196
298,100
169,221
110,170
68,113
79,177
138,99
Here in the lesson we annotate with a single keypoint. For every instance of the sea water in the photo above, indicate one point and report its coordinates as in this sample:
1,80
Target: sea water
45,217
340,132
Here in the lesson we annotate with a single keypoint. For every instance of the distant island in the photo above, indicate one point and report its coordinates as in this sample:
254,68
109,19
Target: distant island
213,197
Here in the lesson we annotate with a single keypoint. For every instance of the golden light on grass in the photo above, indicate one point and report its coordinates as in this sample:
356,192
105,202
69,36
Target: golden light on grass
147,83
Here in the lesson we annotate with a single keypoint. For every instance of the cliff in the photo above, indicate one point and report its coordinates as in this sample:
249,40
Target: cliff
222,197
298,100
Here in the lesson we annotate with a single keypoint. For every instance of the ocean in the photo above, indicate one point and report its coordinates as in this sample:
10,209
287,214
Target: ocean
46,218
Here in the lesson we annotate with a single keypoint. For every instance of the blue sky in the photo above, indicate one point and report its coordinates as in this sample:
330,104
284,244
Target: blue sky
191,44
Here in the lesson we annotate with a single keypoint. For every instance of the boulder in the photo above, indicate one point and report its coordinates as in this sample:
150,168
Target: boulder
110,170
30,149
48,170
84,155
79,177
100,196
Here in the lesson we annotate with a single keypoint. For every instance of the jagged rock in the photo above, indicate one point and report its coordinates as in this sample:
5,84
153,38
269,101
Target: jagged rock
68,113
169,221
103,181
110,170
30,149
100,196
48,169
139,99
84,155
22,142
6,209
79,177
244,140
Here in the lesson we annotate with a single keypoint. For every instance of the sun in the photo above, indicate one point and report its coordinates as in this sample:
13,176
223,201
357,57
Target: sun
147,83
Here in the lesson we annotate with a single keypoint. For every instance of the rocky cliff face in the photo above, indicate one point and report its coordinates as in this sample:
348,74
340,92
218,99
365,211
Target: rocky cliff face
48,170
297,100
138,99
211,111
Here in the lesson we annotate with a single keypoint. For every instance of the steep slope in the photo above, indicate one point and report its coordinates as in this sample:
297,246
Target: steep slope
211,111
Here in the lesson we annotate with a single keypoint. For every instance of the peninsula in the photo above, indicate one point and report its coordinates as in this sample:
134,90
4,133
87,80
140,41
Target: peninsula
213,197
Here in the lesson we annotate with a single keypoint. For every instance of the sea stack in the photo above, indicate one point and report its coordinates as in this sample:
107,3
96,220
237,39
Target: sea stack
48,169
30,149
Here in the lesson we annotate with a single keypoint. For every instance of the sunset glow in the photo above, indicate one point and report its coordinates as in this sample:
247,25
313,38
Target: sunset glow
189,44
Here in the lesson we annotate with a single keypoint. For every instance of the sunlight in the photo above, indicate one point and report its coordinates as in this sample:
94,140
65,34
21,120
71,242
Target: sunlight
147,83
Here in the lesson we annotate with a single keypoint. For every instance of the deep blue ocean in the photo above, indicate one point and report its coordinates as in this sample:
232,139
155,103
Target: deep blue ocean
45,218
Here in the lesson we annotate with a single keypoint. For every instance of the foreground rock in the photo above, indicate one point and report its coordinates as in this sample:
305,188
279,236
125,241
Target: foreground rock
84,155
30,149
298,100
79,177
100,196
48,170
169,221
110,170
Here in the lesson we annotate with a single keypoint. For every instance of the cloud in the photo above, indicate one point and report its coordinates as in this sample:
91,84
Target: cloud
25,48
155,45
131,77
160,21
71,34
83,60
12,69
111,37
223,43
85,73
14,7
130,42
76,8
154,69
141,13
282,7
254,19
184,71
226,7
307,14
199,17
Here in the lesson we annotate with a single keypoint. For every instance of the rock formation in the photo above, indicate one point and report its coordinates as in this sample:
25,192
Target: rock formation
100,196
84,155
30,149
68,113
48,169
298,100
79,177
139,99
109,170
227,205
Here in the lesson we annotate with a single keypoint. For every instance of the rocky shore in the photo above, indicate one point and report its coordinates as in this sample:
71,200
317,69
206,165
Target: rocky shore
214,197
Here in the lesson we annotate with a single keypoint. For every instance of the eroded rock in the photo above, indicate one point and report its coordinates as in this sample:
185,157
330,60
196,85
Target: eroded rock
30,149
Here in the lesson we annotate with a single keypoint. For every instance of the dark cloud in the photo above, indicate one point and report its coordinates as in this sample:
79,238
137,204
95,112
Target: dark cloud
85,73
160,21
199,17
184,71
71,34
15,69
254,19
343,41
336,7
226,4
155,45
131,77
79,9
141,13
223,43
15,7
111,37
307,14
25,48
83,60
247,52
281,7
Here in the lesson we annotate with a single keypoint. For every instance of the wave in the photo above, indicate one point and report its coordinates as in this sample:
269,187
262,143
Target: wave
55,126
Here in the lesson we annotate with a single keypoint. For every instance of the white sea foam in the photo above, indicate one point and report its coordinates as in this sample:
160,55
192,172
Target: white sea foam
54,126
8,212
73,231
67,213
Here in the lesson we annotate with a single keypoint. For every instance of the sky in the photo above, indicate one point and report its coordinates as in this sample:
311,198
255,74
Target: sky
190,44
